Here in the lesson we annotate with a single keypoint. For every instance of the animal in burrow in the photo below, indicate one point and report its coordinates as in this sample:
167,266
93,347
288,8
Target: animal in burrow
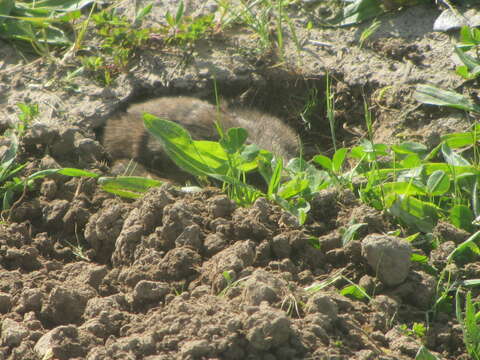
125,137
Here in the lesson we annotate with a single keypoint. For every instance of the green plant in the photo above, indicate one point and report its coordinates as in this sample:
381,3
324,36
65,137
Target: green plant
433,95
469,43
369,32
418,330
28,112
266,19
183,30
291,305
229,160
231,283
470,324
119,42
40,24
330,103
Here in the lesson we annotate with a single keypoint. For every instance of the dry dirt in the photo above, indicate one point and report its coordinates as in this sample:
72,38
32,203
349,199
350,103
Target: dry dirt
180,275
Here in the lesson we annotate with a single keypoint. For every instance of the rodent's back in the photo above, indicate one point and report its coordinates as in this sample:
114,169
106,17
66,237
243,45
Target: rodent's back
269,132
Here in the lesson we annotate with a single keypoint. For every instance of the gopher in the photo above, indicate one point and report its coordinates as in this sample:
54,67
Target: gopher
125,136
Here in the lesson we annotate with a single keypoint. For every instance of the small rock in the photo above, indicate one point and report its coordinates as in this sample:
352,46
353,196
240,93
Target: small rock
150,291
221,206
64,306
5,302
214,243
321,303
54,212
262,286
388,256
40,133
267,329
281,246
12,333
191,237
48,189
60,343
402,343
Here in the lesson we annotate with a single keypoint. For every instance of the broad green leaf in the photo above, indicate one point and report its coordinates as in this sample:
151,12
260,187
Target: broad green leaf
169,18
430,168
463,71
318,179
77,172
338,159
59,5
63,171
429,94
410,147
355,291
416,213
23,30
403,188
469,37
369,150
410,161
323,161
410,238
462,217
463,246
292,188
377,149
423,259
452,158
458,140
469,61
197,158
250,152
297,165
438,183
357,152
130,185
234,140
360,10
302,211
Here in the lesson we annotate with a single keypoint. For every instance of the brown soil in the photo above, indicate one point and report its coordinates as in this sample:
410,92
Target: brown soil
177,275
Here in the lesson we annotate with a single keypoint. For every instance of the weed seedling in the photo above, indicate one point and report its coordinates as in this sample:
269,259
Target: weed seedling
28,112
369,32
470,324
185,30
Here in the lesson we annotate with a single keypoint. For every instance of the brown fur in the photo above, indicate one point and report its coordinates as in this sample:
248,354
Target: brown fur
125,136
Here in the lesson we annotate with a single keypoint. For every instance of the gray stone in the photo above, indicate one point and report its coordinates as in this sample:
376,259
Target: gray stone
150,291
388,256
